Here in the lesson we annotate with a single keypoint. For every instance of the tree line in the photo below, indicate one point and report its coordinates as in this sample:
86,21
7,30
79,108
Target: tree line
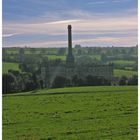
15,81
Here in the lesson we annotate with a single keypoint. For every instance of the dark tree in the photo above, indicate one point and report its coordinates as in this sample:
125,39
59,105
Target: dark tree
75,80
35,82
77,46
90,80
103,57
41,84
80,82
79,51
14,72
123,81
8,83
61,51
96,81
59,82
29,86
133,80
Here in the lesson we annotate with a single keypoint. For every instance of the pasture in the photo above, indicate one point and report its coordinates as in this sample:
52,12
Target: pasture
127,73
53,57
123,62
80,113
7,66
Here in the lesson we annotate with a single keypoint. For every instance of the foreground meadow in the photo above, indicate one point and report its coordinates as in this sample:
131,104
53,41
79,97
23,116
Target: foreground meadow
86,113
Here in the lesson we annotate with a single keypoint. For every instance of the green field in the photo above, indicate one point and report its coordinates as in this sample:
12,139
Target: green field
12,51
127,73
86,113
7,66
52,57
14,66
98,57
123,62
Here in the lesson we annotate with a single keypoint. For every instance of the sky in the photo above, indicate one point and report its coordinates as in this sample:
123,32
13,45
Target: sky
43,23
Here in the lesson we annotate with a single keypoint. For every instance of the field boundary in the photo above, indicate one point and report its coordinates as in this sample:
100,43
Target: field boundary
59,93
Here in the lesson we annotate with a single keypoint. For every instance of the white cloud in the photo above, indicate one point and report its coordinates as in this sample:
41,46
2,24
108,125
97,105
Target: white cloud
9,35
97,2
110,24
62,21
83,23
106,2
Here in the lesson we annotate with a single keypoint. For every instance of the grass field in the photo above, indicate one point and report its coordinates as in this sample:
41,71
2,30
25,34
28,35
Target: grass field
7,66
86,113
52,57
123,62
98,57
127,73
32,51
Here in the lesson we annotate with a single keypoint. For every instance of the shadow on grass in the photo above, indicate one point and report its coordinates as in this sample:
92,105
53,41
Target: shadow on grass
33,93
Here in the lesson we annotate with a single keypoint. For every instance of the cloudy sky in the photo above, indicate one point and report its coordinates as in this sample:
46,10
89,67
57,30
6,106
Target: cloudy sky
43,23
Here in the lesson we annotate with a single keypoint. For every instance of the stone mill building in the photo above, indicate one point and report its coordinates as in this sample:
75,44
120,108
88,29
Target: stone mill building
71,68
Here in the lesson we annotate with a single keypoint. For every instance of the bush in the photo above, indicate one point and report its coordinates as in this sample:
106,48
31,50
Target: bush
123,81
59,82
133,80
8,83
96,81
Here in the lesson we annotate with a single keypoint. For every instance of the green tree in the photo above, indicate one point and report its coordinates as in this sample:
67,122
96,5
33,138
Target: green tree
61,51
133,80
123,81
59,82
77,46
103,57
8,83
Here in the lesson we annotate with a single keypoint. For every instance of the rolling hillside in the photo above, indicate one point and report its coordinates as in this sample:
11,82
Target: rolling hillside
71,114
